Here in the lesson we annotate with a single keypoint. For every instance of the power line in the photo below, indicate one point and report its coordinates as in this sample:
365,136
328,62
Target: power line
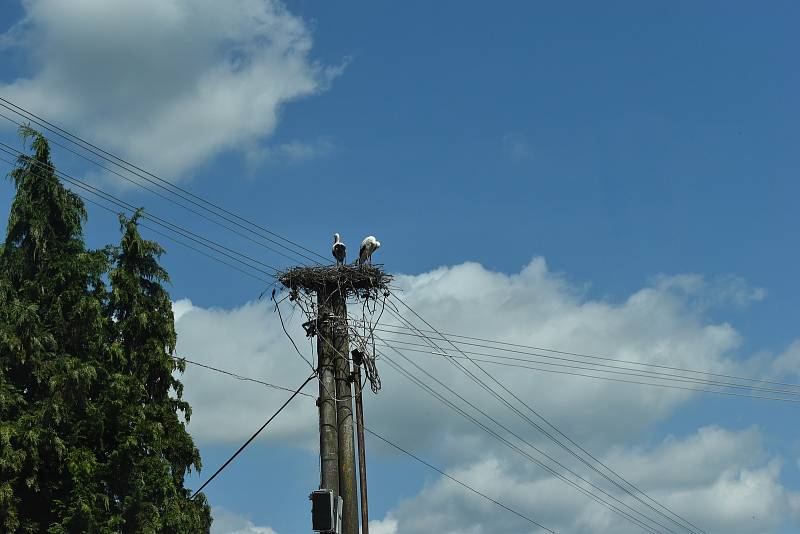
482,412
96,150
532,423
670,515
158,194
257,432
383,438
192,236
239,377
149,177
442,353
170,187
636,382
158,220
177,241
127,166
470,488
131,208
451,336
633,372
499,398
84,184
280,316
460,411
117,201
96,191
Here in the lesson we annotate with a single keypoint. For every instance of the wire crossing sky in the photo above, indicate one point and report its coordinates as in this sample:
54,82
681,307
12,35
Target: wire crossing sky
681,524
593,207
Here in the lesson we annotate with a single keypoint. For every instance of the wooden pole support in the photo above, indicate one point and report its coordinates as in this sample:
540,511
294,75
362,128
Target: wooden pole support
362,457
328,436
348,488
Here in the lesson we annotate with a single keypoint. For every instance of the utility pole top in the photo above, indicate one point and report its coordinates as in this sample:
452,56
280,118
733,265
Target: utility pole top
328,320
348,279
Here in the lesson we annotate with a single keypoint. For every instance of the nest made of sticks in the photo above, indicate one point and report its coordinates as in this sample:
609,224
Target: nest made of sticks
350,278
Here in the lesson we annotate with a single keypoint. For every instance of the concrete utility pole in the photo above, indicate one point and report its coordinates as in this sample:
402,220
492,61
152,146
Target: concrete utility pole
344,412
328,434
332,285
362,457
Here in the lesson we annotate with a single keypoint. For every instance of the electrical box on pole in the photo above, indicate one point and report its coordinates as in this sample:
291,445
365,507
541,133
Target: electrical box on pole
326,512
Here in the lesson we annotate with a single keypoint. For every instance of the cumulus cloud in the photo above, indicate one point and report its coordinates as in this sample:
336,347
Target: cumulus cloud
655,324
227,522
388,525
534,306
168,82
292,152
788,363
708,293
245,341
725,483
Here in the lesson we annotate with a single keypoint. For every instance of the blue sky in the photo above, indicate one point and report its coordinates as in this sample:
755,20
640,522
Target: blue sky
620,141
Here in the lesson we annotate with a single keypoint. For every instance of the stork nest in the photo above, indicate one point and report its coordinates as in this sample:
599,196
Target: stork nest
349,278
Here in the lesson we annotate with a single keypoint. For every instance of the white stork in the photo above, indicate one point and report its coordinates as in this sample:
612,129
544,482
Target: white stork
368,247
339,250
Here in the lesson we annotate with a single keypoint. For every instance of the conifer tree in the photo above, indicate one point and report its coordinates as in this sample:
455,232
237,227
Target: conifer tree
90,437
53,345
154,451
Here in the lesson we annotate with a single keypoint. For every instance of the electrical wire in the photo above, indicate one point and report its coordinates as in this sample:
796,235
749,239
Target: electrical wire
59,131
257,432
444,339
503,427
280,316
166,185
160,195
83,184
384,439
177,241
85,145
192,236
451,336
460,411
130,207
670,515
568,373
635,372
450,477
166,236
158,220
238,376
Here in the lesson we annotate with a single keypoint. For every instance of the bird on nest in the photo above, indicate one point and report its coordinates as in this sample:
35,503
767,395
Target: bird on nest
368,247
339,250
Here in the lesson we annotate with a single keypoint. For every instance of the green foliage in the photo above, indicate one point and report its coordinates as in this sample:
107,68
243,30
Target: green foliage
153,451
90,434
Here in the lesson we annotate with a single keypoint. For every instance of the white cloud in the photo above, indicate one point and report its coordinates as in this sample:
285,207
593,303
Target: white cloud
181,308
537,307
788,363
728,486
292,152
227,522
248,342
388,525
716,292
534,307
168,83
